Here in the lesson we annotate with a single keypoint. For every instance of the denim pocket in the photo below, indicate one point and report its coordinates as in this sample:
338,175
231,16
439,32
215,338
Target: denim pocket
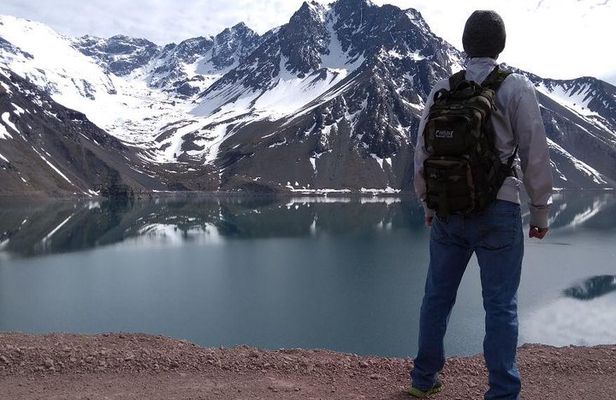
499,224
437,231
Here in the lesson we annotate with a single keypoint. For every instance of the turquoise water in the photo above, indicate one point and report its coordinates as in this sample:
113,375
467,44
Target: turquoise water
340,273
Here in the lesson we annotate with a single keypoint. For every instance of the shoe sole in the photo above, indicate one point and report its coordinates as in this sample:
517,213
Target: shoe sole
421,394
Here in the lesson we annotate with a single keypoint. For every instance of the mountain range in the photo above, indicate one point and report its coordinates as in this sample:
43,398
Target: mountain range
329,102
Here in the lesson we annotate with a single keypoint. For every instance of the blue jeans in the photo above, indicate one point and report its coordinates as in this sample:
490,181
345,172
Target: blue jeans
495,235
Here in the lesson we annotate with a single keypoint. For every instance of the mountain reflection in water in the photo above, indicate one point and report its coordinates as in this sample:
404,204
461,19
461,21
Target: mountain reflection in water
592,288
30,229
55,227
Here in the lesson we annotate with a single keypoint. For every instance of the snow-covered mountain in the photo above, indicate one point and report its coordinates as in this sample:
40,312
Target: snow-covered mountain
328,101
48,149
183,69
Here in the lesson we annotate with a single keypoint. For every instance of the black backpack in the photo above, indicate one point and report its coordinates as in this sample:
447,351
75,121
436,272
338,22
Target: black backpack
463,171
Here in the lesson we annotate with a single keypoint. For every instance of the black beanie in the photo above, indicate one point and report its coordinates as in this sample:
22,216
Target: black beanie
484,34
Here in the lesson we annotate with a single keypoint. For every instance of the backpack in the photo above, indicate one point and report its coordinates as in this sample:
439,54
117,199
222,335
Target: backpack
463,172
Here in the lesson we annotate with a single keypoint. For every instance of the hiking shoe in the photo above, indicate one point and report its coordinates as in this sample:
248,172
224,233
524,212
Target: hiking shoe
420,394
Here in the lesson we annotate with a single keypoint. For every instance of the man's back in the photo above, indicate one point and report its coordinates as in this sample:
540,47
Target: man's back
517,122
495,234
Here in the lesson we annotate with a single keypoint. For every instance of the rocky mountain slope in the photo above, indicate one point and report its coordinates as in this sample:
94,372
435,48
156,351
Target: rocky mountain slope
47,149
338,112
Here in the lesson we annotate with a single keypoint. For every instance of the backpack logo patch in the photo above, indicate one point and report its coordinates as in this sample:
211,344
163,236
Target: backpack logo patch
442,134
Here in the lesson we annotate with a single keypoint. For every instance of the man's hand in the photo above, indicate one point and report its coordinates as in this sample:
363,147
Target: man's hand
536,232
428,221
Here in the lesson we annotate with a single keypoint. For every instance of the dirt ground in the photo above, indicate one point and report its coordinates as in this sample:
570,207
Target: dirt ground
136,366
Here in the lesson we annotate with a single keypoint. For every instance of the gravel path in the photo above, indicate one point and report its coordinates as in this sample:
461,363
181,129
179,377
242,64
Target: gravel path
135,366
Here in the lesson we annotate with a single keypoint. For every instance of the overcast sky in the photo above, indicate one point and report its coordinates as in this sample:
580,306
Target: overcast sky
552,38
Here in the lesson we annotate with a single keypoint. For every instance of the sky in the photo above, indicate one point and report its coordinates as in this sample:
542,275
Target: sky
552,38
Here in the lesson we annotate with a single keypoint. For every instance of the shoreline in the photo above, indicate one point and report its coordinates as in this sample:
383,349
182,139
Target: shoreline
134,366
40,196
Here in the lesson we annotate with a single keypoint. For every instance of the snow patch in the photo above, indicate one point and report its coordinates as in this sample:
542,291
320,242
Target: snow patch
217,134
7,121
277,144
56,229
387,190
53,167
18,110
579,165
325,192
573,97
581,218
304,200
291,93
313,162
381,161
336,58
170,234
388,200
415,56
5,86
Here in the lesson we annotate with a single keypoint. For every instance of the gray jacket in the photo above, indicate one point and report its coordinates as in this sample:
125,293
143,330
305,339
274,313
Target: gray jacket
517,120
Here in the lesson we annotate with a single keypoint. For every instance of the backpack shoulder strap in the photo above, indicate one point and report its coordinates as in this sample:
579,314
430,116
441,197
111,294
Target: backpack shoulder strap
496,78
456,78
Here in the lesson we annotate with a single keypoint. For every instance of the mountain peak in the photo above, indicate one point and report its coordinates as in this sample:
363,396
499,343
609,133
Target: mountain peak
238,30
417,19
132,41
311,10
240,26
306,26
353,3
119,37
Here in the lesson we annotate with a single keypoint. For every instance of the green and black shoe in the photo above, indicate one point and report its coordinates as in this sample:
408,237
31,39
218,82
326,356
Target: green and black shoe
420,394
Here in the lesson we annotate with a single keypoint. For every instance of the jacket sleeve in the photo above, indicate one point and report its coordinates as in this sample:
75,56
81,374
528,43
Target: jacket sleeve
421,154
534,156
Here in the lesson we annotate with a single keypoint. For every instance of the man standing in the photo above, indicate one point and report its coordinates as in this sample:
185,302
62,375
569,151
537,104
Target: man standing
493,234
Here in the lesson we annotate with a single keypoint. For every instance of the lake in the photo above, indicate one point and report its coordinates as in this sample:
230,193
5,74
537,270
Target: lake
345,274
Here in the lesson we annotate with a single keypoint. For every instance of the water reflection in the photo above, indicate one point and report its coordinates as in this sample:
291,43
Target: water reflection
570,310
268,272
592,210
55,227
585,315
338,272
592,288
